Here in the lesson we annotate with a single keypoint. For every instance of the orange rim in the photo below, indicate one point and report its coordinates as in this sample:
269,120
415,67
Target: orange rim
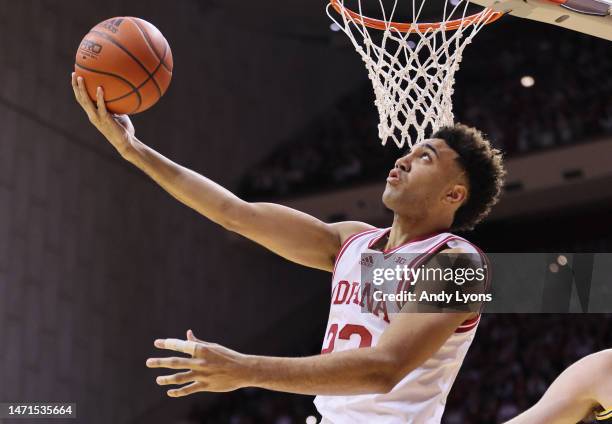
487,16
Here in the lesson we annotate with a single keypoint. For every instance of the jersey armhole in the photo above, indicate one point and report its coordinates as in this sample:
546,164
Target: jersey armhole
470,323
346,243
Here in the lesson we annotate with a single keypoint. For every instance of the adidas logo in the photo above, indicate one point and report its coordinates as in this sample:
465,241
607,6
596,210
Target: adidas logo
367,261
115,22
112,25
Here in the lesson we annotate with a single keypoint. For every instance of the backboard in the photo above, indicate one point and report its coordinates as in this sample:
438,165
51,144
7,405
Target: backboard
587,16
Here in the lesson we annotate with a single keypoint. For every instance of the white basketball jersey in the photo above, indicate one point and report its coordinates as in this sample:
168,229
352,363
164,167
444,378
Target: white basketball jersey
420,396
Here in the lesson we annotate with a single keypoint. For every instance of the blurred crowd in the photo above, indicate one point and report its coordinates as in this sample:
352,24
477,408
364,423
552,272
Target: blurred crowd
509,366
515,358
570,102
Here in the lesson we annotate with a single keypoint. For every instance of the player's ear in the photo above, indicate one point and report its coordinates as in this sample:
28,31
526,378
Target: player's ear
456,194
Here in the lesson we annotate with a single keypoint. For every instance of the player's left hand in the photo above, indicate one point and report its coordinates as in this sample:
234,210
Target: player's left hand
118,129
211,368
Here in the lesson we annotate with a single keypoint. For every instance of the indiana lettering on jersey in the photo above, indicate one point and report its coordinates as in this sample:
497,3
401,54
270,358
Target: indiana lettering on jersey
349,293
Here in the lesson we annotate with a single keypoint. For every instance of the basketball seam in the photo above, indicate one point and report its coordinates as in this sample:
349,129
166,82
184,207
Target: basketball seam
134,89
161,61
147,39
116,43
151,46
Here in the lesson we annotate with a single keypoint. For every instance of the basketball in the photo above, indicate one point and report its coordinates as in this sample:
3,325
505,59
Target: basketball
130,59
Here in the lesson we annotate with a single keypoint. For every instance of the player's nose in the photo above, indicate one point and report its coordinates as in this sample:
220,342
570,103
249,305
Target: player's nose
403,163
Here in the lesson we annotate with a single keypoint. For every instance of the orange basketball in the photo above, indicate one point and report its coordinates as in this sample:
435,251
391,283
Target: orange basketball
130,59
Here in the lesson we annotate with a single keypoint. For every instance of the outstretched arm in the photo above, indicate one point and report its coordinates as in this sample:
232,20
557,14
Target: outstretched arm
292,234
408,342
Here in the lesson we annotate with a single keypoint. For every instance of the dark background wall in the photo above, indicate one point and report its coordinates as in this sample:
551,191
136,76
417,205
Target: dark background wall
95,260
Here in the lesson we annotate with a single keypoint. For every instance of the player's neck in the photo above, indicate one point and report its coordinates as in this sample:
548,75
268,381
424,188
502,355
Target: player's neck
405,229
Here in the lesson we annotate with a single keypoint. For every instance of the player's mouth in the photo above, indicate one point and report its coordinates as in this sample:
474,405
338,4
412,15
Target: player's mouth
394,176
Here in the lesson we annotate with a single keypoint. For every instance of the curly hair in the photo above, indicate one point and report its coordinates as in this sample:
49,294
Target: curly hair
484,168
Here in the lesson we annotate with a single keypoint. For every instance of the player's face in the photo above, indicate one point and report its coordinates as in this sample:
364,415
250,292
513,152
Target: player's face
428,177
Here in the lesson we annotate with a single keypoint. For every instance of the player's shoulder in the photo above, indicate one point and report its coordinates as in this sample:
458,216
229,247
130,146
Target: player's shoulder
454,246
598,363
589,371
601,363
597,359
348,230
589,378
458,244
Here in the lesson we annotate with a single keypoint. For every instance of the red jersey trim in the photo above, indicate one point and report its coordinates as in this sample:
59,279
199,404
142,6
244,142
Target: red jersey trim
473,323
484,257
394,249
469,324
346,243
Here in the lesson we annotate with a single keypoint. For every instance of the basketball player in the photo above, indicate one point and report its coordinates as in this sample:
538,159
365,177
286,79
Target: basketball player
375,366
582,392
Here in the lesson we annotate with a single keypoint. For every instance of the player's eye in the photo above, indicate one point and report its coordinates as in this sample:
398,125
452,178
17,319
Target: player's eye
426,156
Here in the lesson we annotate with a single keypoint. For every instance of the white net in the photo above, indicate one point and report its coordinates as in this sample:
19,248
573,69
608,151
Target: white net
412,66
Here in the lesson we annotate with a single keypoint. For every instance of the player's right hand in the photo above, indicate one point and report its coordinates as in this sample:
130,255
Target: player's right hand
117,129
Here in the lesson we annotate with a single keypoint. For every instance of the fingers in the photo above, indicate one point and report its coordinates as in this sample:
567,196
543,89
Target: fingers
186,390
100,102
84,96
78,95
75,87
177,345
175,363
179,378
193,338
84,100
94,111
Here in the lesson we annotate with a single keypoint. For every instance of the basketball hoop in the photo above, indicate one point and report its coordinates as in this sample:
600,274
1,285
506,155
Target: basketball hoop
412,67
